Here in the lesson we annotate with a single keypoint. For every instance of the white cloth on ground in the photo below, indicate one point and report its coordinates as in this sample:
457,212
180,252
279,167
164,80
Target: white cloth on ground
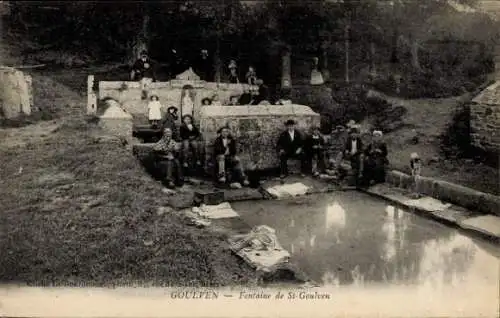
288,190
428,204
219,211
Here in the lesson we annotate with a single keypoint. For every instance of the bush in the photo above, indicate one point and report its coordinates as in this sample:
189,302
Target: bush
456,141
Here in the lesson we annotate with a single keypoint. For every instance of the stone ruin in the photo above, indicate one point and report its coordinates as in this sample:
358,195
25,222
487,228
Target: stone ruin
16,93
485,113
257,127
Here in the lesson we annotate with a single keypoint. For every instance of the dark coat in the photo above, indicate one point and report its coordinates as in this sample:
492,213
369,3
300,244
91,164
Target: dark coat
187,134
348,145
219,148
310,142
141,71
286,144
370,150
171,123
245,99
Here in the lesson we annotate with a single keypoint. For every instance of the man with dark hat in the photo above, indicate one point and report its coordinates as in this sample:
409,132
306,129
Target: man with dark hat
290,145
142,68
353,151
229,167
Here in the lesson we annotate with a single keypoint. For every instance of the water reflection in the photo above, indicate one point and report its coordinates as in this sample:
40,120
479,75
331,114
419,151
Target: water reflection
354,239
335,216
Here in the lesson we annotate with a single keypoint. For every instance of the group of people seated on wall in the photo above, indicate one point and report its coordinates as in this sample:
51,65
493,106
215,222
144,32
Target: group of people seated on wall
144,68
175,153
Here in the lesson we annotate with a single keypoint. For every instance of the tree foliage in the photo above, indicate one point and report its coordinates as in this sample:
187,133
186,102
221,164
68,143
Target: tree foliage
236,29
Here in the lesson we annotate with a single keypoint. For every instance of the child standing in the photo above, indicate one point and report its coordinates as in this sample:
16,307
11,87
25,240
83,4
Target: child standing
154,111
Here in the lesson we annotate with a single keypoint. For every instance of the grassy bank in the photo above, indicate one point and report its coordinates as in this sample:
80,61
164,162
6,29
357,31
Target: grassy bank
81,211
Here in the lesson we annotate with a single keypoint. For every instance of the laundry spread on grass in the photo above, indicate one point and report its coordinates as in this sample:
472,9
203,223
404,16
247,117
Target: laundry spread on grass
219,211
260,248
427,204
287,190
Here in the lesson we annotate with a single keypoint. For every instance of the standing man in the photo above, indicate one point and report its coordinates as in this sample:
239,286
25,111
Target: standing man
203,66
142,71
290,145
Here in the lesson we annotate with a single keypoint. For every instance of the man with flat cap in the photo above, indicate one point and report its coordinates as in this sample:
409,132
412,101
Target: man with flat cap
290,145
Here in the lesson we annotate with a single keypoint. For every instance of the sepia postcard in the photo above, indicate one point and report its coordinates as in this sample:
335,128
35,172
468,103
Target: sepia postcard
230,158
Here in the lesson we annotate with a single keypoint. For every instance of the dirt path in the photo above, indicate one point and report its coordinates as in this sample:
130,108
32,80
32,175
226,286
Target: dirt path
430,118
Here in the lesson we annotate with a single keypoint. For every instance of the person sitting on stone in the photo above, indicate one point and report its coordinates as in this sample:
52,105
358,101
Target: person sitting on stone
315,151
142,68
233,101
374,169
353,152
290,145
154,111
255,97
206,101
166,153
229,167
170,121
251,76
233,72
191,141
216,101
245,98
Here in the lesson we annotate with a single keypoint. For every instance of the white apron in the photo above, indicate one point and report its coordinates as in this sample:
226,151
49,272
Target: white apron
154,110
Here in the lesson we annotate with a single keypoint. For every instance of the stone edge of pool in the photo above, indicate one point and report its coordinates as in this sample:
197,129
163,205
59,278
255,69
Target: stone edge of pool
472,211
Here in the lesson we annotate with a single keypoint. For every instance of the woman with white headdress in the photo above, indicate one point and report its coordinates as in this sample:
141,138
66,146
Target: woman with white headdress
375,160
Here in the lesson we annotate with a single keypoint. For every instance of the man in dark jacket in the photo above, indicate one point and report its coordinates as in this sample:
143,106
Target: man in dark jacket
375,162
290,145
353,151
315,151
228,164
142,68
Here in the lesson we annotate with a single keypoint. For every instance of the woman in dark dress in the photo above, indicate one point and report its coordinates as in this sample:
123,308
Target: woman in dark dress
375,160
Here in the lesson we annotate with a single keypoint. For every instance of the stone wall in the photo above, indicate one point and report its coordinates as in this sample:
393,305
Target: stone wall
115,121
129,94
257,128
447,192
16,94
485,119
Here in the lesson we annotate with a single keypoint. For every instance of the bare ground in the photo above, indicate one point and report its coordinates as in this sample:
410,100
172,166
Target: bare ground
430,117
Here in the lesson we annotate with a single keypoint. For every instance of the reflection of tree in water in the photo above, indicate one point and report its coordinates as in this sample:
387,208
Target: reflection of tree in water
371,249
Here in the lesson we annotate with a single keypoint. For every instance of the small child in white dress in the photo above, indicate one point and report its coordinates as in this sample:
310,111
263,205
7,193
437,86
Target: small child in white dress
154,111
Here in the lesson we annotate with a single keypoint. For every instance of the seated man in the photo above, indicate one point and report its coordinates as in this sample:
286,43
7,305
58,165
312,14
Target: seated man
142,68
375,160
228,164
290,145
353,151
315,151
165,152
191,141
